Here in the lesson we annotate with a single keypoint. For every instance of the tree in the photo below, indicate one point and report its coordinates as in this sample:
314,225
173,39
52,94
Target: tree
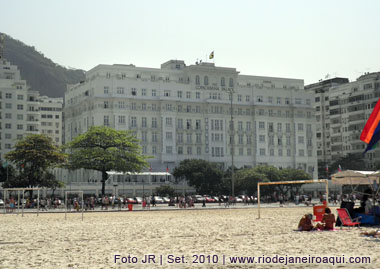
34,155
247,179
6,171
165,190
206,177
350,162
105,149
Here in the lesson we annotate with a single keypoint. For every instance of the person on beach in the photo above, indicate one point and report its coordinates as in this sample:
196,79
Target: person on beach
328,221
305,223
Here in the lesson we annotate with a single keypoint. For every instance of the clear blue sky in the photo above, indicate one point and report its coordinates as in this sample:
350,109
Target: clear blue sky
284,38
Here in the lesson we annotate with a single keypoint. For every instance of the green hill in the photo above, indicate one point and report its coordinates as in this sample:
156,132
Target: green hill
40,73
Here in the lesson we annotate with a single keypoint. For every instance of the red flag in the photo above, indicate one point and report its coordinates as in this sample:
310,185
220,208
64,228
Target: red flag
167,169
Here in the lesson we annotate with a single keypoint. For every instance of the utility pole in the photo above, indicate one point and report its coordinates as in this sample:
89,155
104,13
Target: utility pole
232,136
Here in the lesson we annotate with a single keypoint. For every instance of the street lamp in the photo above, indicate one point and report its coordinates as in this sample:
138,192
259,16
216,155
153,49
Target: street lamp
115,185
231,91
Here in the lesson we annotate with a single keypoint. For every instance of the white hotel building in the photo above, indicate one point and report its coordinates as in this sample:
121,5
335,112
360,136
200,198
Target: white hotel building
180,112
24,112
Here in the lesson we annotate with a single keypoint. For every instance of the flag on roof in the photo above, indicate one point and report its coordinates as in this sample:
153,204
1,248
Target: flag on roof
212,55
371,130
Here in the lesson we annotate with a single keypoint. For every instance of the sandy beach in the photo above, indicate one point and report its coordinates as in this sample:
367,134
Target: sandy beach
174,239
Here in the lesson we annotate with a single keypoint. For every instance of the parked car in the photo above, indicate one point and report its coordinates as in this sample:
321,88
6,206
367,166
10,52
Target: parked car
1,202
238,200
131,201
138,200
209,199
199,198
158,200
166,199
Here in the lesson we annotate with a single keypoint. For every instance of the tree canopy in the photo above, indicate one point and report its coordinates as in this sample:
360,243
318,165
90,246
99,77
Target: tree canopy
33,156
105,149
206,177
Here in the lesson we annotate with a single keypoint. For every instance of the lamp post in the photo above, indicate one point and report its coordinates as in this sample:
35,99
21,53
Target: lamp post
231,91
115,185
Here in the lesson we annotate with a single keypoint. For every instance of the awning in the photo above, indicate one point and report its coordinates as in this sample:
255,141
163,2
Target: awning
351,177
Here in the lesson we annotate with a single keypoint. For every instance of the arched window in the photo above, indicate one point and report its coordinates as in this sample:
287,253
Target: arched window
231,82
197,81
206,80
223,82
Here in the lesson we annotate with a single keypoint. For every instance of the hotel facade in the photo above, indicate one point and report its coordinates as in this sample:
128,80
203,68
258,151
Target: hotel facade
24,112
342,109
183,112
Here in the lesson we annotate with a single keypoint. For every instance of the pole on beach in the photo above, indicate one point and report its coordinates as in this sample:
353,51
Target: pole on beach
258,197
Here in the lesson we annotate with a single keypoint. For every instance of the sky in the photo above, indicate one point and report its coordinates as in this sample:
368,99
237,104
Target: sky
301,39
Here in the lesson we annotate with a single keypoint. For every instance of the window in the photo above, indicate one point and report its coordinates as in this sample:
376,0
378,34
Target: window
271,152
154,92
300,126
8,126
301,152
249,139
9,105
231,83
143,106
301,140
239,97
168,107
143,122
222,82
279,127
106,120
154,122
20,126
121,104
134,92
197,81
199,150
287,101
241,151
154,150
8,95
20,97
198,138
259,99
154,137
249,151
262,138
240,139
121,120
144,150
287,127
169,122
270,127
133,106
270,99
120,90
169,149
8,115
143,92
262,152
189,139
247,98
133,122
188,124
179,94
188,95
298,101
106,89
288,140
288,152
278,100
198,109
169,136
180,124
197,124
280,152
20,117
144,136
180,150
205,80
261,125
189,150
180,137
167,93
106,104
198,95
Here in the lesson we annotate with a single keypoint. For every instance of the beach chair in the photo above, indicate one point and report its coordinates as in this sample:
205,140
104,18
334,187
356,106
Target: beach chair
345,218
318,212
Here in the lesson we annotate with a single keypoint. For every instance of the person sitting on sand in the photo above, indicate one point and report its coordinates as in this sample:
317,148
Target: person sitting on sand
372,233
305,223
328,221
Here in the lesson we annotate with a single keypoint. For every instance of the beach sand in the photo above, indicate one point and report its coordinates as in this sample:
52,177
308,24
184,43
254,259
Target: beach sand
50,241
